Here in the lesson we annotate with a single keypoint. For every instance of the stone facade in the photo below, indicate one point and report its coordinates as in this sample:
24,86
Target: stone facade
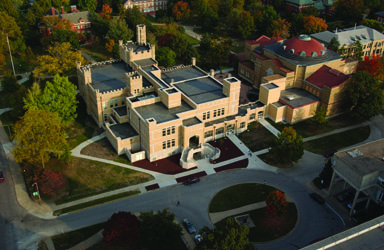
154,113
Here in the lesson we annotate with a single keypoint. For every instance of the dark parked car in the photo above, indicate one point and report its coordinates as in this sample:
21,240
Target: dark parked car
191,181
189,226
317,198
330,153
1,177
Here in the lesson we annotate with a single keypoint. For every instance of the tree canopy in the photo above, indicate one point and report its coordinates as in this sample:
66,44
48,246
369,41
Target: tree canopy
227,236
38,135
118,30
314,24
165,56
156,227
276,203
122,227
366,93
288,146
61,59
373,24
58,97
349,10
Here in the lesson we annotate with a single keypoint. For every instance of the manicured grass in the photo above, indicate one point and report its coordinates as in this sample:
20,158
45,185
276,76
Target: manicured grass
87,178
238,46
238,196
191,40
95,202
338,141
272,160
78,133
307,128
256,137
70,239
97,51
123,159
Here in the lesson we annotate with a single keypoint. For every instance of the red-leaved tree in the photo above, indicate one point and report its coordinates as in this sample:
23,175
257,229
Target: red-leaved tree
371,65
50,182
106,12
164,40
276,203
122,227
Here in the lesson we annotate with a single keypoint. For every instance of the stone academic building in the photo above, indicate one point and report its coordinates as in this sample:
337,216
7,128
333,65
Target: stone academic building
153,113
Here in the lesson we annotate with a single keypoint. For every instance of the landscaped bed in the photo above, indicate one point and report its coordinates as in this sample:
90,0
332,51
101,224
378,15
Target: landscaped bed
228,149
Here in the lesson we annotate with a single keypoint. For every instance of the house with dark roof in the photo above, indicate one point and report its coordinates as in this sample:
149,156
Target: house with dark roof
379,16
323,6
296,77
153,113
146,6
79,20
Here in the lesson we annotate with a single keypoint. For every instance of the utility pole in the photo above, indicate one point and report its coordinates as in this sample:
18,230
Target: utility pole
10,53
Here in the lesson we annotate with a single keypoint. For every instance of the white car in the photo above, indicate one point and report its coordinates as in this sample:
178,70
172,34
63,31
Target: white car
198,238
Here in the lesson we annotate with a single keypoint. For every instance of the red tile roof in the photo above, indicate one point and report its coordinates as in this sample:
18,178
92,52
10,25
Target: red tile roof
262,41
328,77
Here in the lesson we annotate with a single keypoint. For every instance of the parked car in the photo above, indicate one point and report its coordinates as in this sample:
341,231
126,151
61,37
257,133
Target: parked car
317,198
198,238
330,153
189,226
1,177
191,181
344,197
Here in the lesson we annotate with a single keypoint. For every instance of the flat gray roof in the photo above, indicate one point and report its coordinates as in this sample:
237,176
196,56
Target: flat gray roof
191,121
109,77
136,47
370,160
160,112
145,62
270,86
179,73
121,111
297,97
123,130
201,90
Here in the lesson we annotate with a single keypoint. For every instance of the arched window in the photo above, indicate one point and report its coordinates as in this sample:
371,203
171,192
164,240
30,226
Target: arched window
314,54
291,51
302,53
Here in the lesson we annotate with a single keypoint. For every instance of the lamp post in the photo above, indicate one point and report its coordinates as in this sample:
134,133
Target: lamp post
10,53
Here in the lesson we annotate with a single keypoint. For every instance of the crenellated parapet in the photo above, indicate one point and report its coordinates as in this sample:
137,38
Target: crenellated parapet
177,67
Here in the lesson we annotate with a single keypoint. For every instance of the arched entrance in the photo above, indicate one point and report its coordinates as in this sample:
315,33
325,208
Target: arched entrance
194,141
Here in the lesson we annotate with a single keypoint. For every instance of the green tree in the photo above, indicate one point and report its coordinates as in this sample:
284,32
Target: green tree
310,11
358,52
39,134
61,36
87,5
366,93
155,227
61,60
99,26
165,56
118,30
264,21
373,24
9,84
227,236
288,146
334,44
349,10
8,7
320,117
58,97
133,17
245,24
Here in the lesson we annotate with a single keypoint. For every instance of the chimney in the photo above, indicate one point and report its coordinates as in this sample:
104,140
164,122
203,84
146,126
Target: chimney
53,11
62,10
193,61
120,42
229,75
73,8
212,72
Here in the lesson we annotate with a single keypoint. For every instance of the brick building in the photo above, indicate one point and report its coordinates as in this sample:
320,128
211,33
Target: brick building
79,20
146,6
296,77
152,113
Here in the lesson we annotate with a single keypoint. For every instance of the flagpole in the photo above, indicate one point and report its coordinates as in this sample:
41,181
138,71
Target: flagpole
10,53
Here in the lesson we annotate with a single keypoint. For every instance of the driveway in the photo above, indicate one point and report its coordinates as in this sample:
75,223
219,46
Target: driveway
315,220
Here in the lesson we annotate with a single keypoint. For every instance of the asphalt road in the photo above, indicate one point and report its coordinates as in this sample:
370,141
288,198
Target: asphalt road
11,213
315,220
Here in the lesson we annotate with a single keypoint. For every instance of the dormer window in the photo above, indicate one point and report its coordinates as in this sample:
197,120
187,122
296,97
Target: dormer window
302,53
322,52
314,54
291,51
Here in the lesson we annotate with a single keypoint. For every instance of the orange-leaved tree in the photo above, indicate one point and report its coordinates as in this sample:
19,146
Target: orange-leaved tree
106,12
314,24
281,28
181,11
276,203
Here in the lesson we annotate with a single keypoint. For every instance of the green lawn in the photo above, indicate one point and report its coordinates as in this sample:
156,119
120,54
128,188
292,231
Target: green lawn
338,141
70,239
191,40
256,137
97,51
269,228
96,202
238,196
306,128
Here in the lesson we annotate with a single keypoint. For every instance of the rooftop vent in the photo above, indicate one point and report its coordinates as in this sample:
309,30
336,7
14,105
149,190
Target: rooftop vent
355,153
290,97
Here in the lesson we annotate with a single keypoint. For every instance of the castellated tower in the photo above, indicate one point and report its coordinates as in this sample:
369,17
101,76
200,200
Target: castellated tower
140,34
